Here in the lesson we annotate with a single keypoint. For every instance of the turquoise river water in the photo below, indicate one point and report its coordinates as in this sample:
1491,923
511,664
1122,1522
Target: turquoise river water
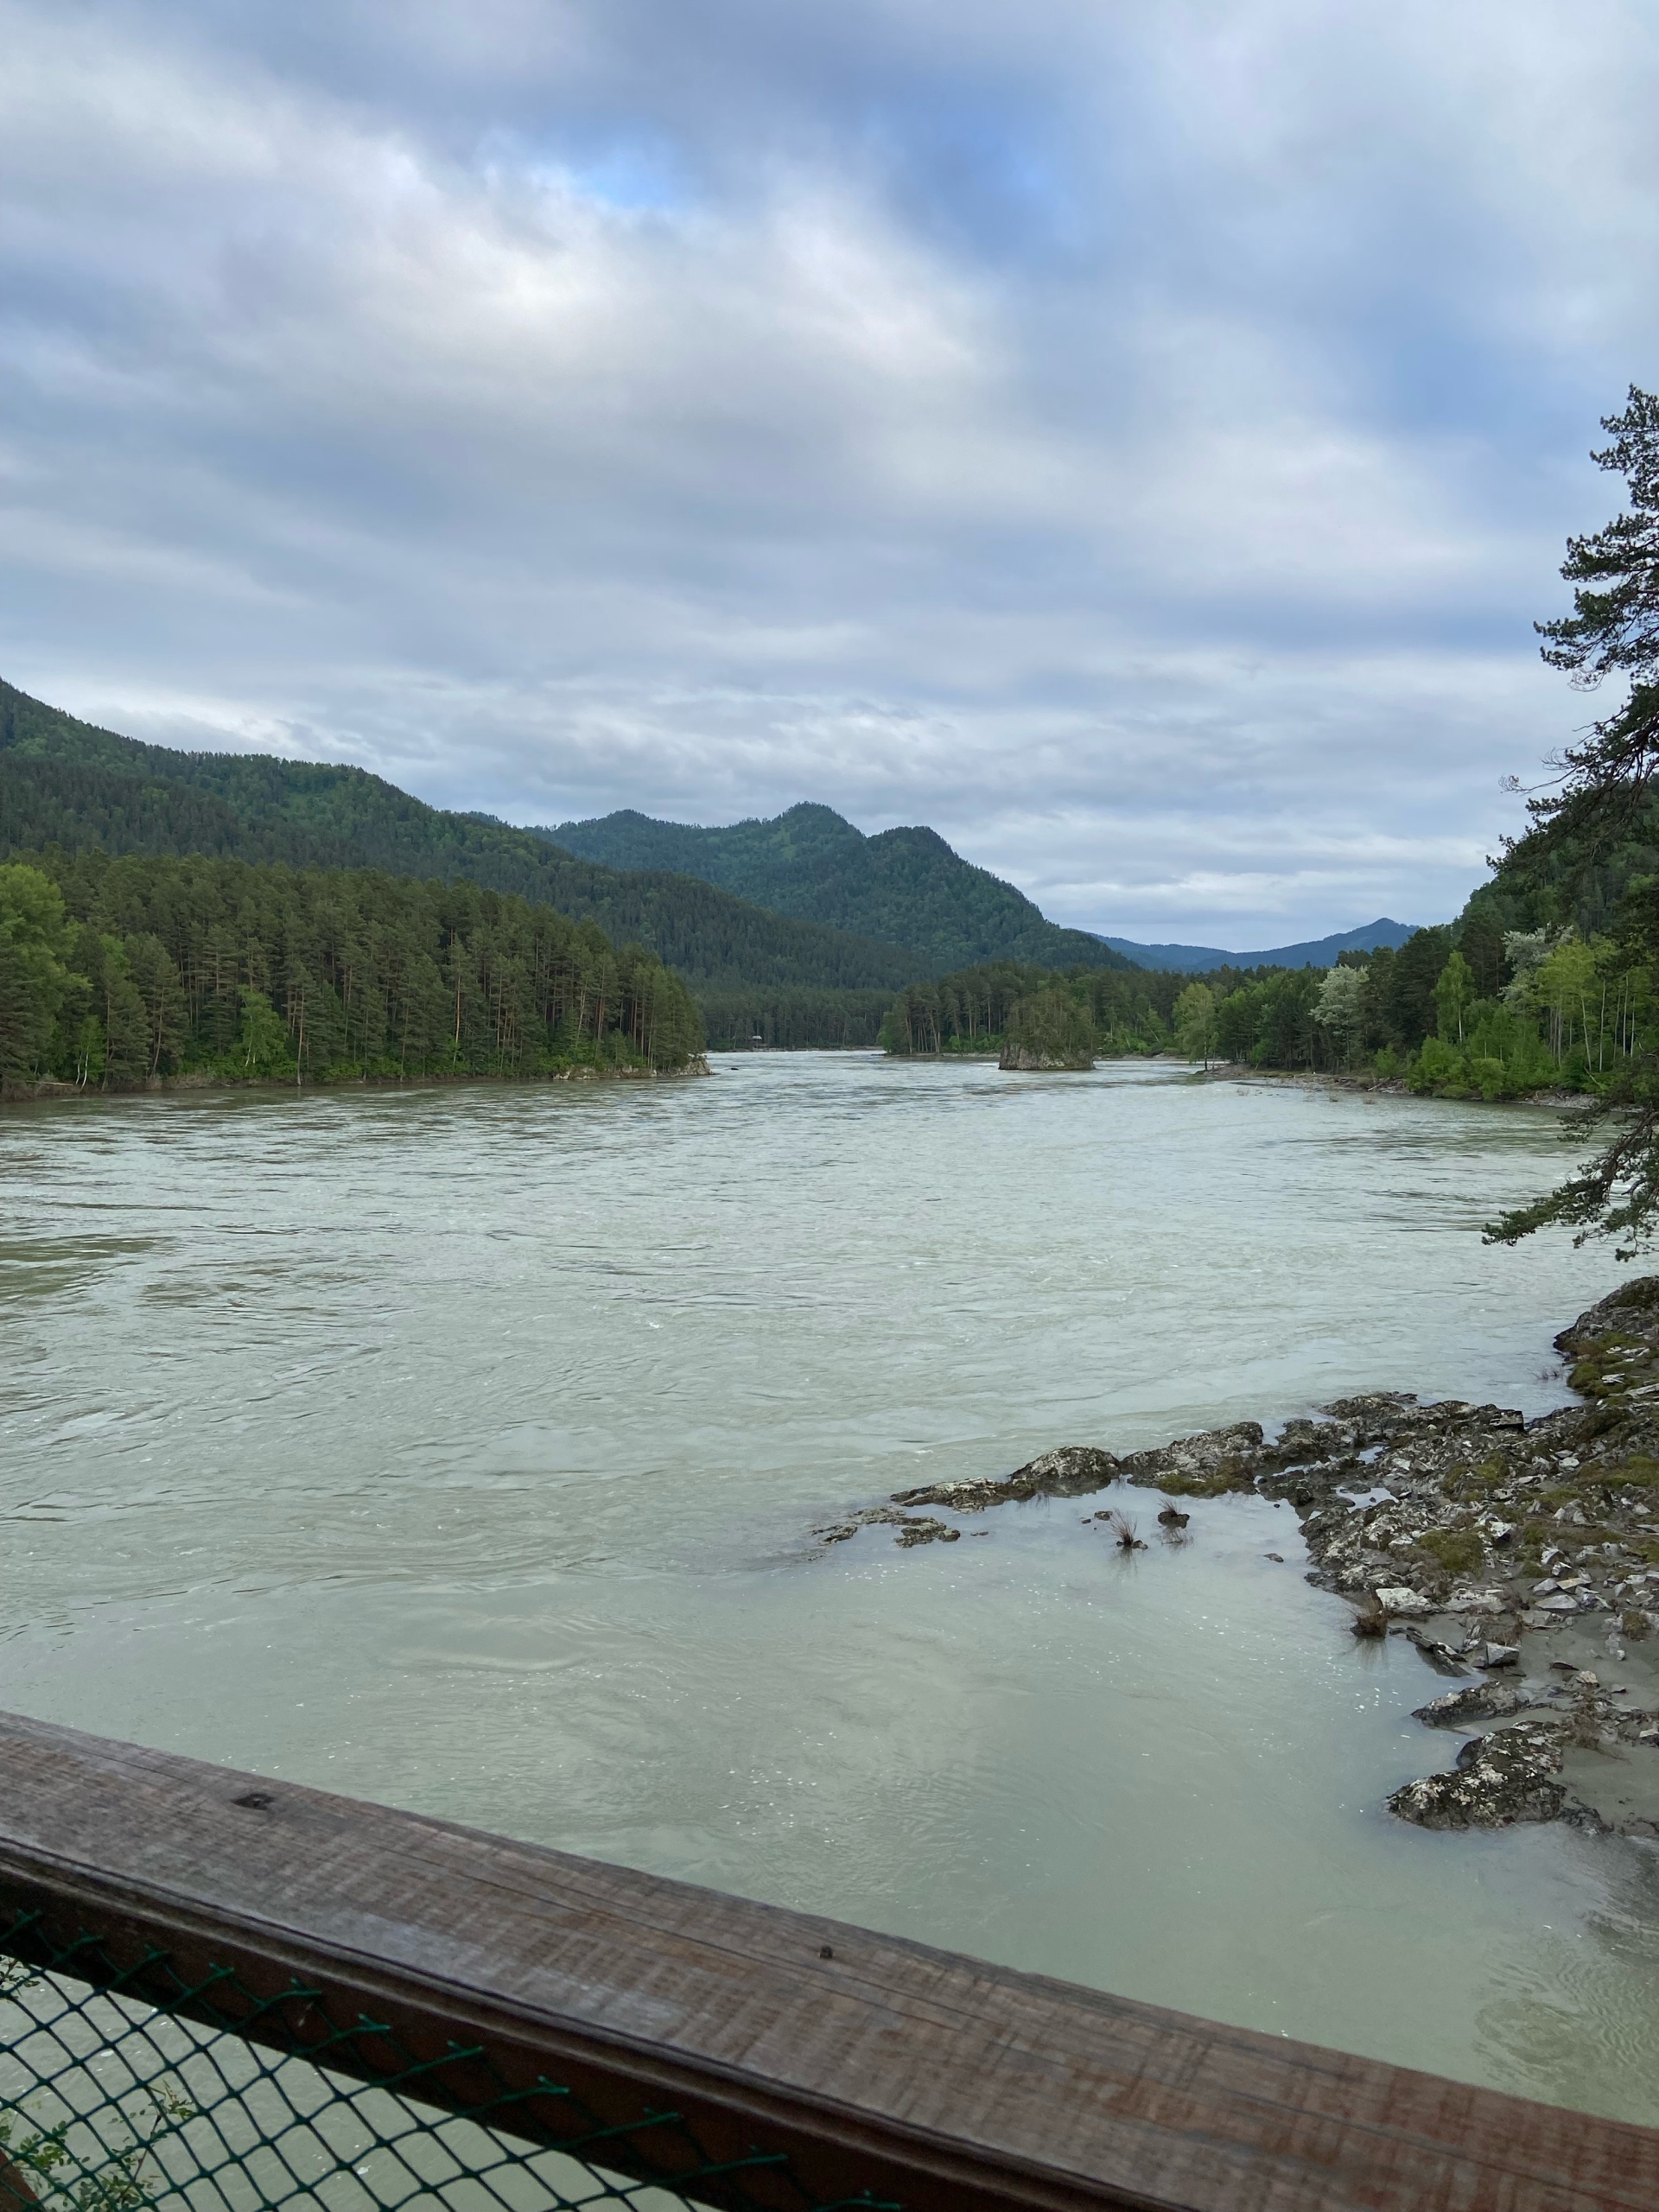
460,1447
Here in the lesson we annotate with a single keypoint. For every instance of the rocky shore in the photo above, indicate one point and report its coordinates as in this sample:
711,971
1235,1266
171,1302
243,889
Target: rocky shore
1519,1558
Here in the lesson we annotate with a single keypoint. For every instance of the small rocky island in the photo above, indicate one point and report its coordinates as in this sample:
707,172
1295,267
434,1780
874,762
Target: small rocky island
1521,1558
1050,1030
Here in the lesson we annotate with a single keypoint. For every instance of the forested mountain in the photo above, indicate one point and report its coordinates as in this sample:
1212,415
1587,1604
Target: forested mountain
1316,952
65,783
115,973
905,886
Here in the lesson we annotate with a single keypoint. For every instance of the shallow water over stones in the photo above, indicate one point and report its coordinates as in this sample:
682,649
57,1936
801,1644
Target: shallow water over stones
461,1448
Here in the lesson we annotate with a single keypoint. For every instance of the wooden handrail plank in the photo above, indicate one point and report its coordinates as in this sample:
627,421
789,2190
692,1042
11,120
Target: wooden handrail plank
932,2079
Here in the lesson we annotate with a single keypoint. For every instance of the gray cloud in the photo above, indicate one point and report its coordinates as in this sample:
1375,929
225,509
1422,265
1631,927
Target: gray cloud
1136,442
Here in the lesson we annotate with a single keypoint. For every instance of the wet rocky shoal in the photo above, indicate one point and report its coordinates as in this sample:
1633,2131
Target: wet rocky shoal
1521,1558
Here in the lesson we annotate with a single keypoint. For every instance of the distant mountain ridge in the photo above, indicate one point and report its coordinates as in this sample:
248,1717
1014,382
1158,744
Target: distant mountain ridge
66,782
903,887
1316,952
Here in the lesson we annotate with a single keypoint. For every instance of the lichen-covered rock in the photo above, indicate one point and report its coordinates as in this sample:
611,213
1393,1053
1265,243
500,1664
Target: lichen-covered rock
1373,1415
1479,1701
1507,1776
1476,1601
1384,1415
1302,1443
1204,1465
1614,1347
1068,1471
1400,1602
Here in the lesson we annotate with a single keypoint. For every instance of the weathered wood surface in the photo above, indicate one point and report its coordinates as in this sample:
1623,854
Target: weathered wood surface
930,2080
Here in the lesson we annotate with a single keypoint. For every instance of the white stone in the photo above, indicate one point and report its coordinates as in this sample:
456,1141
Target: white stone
1399,1602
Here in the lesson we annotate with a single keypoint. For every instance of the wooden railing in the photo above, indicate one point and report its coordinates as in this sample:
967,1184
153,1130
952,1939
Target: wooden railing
816,2063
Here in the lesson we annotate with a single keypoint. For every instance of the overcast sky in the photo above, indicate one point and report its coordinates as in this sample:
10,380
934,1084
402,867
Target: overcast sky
1135,438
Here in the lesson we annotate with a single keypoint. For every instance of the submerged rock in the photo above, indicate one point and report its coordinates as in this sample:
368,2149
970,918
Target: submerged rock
913,1528
1445,1658
1068,1471
926,1531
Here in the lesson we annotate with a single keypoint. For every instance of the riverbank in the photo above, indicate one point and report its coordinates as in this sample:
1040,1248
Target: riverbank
1519,1558
1369,1081
353,1079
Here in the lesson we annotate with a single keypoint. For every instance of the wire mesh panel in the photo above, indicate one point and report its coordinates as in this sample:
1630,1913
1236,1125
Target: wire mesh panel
219,1994
124,2083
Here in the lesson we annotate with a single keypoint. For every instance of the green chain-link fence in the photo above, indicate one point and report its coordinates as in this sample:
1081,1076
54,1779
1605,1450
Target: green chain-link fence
124,2086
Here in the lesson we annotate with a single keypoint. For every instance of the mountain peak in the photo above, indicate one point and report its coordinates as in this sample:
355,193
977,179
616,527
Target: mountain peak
1313,952
906,886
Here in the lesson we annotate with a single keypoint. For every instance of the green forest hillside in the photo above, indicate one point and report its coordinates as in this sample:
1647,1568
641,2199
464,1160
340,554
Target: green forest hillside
905,886
115,974
64,783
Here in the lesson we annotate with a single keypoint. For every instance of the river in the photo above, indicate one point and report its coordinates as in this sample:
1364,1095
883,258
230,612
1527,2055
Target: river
460,1447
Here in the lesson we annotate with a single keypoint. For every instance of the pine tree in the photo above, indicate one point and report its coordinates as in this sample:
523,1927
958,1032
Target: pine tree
1606,783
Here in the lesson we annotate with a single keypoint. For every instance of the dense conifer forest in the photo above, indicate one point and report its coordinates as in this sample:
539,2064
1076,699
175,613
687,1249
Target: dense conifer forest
974,1010
118,973
65,783
793,1020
